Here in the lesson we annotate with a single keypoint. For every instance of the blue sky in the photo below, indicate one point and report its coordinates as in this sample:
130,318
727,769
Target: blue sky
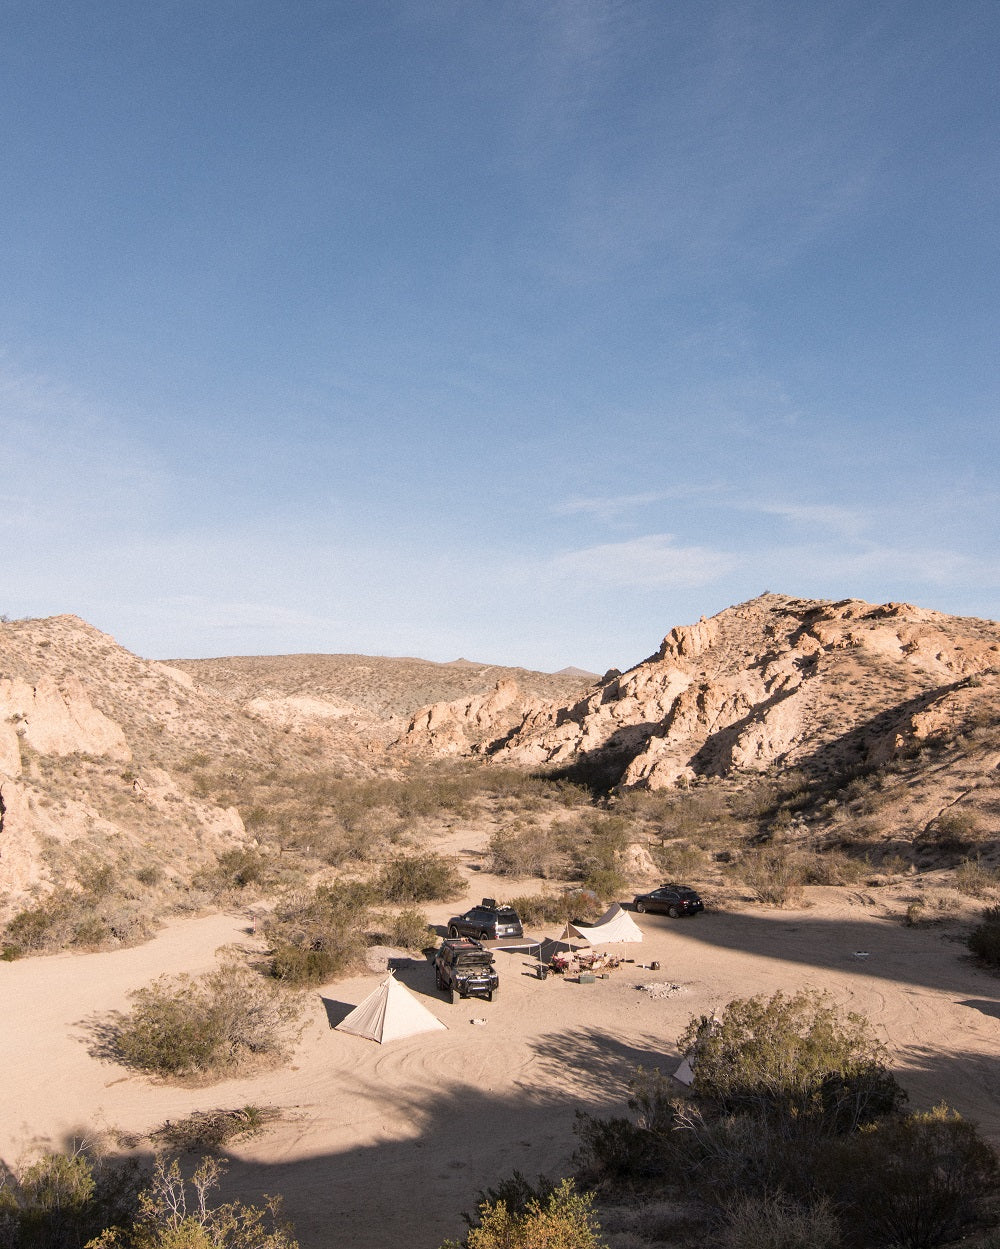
522,331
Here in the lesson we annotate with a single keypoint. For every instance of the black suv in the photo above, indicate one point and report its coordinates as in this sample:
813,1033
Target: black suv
462,968
672,900
487,922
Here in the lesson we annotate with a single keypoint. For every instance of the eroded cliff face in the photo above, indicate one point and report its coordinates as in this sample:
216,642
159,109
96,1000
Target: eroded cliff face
776,680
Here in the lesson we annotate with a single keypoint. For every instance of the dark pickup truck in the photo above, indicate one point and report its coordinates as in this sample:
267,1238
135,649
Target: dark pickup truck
463,968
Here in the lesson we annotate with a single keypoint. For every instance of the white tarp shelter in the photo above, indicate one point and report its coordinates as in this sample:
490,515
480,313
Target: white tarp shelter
390,1013
615,927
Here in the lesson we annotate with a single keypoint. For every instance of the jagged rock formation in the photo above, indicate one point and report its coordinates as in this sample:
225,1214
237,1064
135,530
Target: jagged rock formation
471,725
776,680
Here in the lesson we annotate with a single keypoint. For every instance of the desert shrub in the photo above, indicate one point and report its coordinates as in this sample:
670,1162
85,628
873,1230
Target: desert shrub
777,1221
632,1149
792,1057
206,1131
773,875
606,882
62,1200
976,878
678,859
69,918
234,869
516,851
542,908
954,829
516,1192
833,867
564,1219
149,874
319,934
420,878
212,1024
615,1150
176,1214
984,940
912,1181
408,928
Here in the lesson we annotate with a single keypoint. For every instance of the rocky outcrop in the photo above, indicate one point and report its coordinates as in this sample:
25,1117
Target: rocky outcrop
772,681
54,719
467,725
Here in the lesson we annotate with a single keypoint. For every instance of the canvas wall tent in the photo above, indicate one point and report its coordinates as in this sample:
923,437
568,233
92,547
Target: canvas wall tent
614,927
390,1013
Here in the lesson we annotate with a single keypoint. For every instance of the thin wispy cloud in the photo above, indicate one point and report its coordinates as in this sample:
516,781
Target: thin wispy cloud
652,560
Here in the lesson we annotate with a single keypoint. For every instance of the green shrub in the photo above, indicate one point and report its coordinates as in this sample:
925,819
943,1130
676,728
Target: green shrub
408,929
234,869
213,1024
984,940
607,883
792,1057
62,1200
69,918
564,1219
912,1181
420,878
319,934
542,908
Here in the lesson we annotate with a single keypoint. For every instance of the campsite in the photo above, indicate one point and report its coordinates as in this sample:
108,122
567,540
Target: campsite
382,1144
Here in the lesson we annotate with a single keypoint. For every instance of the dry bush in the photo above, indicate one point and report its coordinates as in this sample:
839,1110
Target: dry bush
175,1213
407,929
773,874
318,934
519,851
69,918
911,1181
419,878
832,867
777,1221
211,1025
206,1131
544,908
977,879
678,859
984,940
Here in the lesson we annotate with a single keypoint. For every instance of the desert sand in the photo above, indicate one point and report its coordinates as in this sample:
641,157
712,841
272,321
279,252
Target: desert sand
382,1146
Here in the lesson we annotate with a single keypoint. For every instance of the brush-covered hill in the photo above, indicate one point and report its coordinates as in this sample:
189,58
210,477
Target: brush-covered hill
137,774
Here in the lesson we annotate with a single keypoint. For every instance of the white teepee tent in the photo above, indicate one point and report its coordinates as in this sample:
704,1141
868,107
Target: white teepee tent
389,1013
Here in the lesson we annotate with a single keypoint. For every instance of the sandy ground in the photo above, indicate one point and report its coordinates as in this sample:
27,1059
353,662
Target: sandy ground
381,1146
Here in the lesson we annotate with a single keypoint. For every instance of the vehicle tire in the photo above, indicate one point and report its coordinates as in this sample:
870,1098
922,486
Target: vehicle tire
453,931
641,908
673,912
451,996
484,936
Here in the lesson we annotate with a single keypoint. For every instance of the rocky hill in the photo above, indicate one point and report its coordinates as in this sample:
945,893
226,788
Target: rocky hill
776,681
110,760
